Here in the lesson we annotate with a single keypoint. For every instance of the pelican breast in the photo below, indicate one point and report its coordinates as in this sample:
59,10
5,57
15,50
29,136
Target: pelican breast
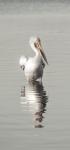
33,69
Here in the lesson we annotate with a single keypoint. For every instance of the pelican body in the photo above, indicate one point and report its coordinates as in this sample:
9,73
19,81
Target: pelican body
33,67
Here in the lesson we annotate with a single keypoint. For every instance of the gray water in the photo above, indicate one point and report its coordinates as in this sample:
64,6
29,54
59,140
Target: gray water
34,6
34,116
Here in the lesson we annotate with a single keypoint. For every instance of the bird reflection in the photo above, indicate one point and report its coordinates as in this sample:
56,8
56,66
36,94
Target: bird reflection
36,98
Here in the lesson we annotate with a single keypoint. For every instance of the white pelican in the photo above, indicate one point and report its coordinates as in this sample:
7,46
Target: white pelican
34,66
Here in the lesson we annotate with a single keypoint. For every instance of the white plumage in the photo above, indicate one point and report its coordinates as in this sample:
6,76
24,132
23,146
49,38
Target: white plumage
33,67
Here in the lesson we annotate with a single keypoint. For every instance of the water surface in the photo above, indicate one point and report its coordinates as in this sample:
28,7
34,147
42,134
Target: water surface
18,117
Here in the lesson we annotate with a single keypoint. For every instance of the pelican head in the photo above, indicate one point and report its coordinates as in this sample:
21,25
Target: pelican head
36,45
22,62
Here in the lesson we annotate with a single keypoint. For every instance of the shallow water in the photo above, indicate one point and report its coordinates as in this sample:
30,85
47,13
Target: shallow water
18,117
